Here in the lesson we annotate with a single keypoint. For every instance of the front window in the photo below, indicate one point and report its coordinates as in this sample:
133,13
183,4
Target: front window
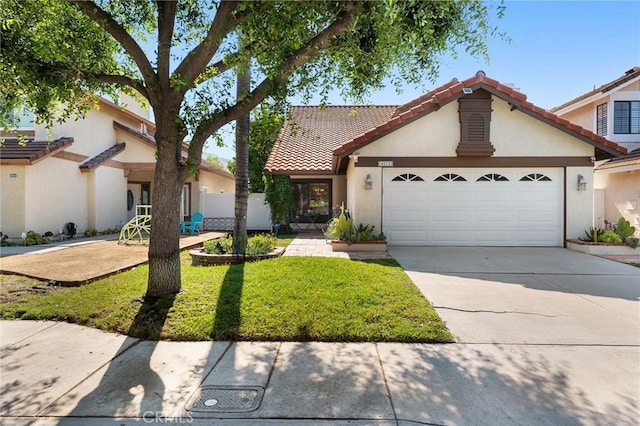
601,119
312,200
626,117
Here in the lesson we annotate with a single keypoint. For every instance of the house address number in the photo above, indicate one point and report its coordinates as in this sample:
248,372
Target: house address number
385,163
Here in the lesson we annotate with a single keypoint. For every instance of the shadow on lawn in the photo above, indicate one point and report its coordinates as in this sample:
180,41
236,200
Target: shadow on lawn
228,317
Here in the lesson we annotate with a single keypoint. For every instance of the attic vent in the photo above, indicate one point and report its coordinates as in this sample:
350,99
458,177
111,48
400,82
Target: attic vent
476,128
475,125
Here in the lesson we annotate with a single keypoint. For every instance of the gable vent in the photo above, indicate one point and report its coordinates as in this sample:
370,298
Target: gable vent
475,121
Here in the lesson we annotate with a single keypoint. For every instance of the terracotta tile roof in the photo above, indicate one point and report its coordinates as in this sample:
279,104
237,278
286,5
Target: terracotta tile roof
626,160
452,91
95,161
14,151
628,76
311,133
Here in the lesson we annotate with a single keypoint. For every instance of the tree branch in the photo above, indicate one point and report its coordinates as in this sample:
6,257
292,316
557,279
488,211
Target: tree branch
195,62
166,24
106,21
122,80
312,50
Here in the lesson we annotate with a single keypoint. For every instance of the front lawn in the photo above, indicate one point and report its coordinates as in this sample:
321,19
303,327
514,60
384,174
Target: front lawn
286,299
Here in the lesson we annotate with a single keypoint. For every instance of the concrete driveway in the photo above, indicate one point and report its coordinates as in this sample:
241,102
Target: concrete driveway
547,328
528,295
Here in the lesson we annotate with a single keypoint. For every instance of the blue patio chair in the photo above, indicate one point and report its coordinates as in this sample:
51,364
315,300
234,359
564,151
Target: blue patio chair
192,225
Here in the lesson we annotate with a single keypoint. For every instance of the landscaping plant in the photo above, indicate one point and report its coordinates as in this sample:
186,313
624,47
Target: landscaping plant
610,237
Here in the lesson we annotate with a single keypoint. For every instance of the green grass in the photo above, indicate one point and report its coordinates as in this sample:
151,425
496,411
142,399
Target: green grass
288,299
637,265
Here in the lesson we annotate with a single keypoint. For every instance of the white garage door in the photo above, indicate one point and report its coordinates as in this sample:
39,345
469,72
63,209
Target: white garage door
473,207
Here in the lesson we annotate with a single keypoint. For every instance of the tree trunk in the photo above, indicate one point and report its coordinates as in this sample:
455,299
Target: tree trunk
164,245
242,168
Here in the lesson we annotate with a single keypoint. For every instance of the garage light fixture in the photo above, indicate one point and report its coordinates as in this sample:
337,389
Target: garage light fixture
582,183
368,182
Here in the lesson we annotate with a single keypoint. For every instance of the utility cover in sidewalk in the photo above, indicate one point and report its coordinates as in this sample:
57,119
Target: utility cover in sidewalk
226,399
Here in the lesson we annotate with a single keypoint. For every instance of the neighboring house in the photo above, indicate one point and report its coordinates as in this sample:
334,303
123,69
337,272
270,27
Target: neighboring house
613,111
471,163
92,172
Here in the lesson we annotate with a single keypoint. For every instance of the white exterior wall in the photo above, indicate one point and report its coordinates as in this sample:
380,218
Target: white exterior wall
365,205
579,203
55,193
12,196
110,197
223,205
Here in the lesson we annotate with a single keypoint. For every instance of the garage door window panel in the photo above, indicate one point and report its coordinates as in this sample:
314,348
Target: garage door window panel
450,177
535,177
492,177
407,177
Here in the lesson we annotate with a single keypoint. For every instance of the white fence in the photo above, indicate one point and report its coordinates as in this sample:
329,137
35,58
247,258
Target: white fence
223,206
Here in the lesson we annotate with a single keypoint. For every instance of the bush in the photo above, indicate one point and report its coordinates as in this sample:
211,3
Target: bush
624,228
261,244
33,238
258,244
90,232
341,228
610,237
592,235
218,246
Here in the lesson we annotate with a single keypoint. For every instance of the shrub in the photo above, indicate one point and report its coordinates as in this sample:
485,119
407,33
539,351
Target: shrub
33,238
592,235
341,228
261,244
218,246
624,228
258,244
610,237
90,232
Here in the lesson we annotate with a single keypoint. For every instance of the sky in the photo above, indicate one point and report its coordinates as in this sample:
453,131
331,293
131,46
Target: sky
558,51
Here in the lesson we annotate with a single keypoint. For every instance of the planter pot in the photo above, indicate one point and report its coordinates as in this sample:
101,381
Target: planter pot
600,249
200,258
380,246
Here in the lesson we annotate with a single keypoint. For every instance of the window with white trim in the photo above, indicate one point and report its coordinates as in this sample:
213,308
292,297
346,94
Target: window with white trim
626,117
601,119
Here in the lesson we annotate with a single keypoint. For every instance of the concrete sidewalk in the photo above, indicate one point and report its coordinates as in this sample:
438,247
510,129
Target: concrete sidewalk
58,373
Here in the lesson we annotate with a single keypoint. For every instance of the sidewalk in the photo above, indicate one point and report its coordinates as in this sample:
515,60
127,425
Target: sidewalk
101,378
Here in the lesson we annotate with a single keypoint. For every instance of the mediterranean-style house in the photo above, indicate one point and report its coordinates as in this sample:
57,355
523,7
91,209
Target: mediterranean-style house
471,163
92,172
613,111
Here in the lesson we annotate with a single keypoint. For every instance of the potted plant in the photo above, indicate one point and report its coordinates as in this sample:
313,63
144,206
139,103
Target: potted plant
345,236
619,240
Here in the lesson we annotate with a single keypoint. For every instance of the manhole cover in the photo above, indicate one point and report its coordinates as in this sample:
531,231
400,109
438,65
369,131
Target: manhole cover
226,399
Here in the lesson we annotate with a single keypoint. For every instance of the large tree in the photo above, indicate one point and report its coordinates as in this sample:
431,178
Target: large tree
182,58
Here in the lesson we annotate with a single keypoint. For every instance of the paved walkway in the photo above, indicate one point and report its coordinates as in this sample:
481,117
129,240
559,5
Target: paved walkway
313,243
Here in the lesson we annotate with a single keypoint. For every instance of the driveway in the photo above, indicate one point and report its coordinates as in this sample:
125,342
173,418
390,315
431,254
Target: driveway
552,331
527,295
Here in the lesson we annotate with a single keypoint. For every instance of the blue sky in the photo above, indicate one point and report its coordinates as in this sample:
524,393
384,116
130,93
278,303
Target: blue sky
558,51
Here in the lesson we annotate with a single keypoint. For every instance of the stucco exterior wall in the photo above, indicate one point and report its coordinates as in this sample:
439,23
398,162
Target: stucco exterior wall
365,204
513,134
55,193
12,195
579,203
110,198
516,134
434,135
621,196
